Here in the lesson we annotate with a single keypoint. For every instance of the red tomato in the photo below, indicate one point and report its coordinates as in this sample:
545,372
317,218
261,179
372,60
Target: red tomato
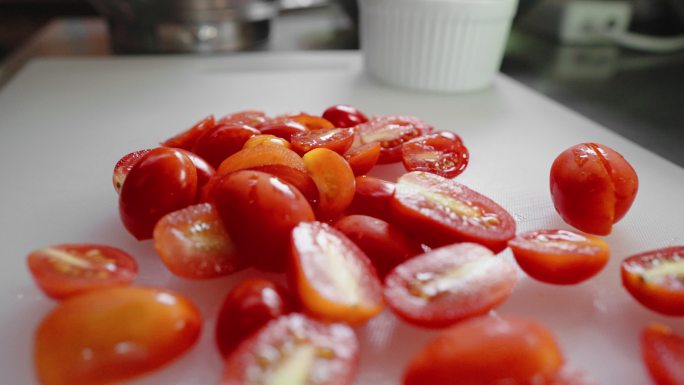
332,278
341,115
363,157
260,156
162,181
442,211
187,139
205,171
249,306
656,279
384,244
264,139
592,187
111,335
193,243
249,117
559,256
311,122
372,197
334,179
123,166
65,270
297,178
259,211
391,132
336,139
663,353
223,141
295,350
487,351
446,285
284,129
441,153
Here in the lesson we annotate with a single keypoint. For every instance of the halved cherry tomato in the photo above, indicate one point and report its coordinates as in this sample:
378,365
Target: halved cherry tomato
332,278
446,285
295,350
441,153
336,139
559,256
282,129
193,243
249,306
487,351
442,211
111,335
249,117
299,179
334,179
592,187
162,181
187,139
205,171
223,141
341,115
311,122
362,158
123,166
259,211
65,270
384,244
656,279
372,197
264,139
663,354
260,156
391,132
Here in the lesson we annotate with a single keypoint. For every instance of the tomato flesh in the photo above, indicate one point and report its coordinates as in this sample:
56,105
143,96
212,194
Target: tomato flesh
342,115
311,122
335,139
187,139
487,351
295,350
65,270
441,153
656,279
391,132
332,278
124,166
442,211
334,180
111,335
559,256
663,354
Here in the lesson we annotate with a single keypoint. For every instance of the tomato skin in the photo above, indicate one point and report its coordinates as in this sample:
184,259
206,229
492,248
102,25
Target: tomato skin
260,156
334,180
592,187
487,351
123,167
442,211
297,178
391,132
250,118
341,115
114,334
205,171
223,141
663,354
284,129
448,284
384,244
334,348
264,139
560,257
86,267
441,153
255,206
247,307
311,122
372,197
362,158
164,180
187,139
335,139
654,279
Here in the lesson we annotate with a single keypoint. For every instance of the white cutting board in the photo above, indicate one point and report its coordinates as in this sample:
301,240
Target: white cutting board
64,123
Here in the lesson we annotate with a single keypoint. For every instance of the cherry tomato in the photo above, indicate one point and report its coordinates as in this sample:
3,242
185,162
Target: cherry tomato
332,278
559,256
341,115
372,197
592,187
259,211
384,244
263,139
311,122
282,129
295,350
299,179
391,132
193,243
249,117
334,179
663,353
487,351
441,153
187,139
362,158
260,156
205,171
123,166
65,270
223,141
446,285
111,335
442,211
249,306
162,181
336,139
656,279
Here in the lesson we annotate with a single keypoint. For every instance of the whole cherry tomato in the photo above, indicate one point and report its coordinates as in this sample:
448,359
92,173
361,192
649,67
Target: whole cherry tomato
441,153
187,139
123,166
592,187
341,115
391,132
162,181
663,354
223,141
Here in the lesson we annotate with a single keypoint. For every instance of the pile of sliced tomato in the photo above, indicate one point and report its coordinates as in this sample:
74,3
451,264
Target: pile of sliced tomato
289,195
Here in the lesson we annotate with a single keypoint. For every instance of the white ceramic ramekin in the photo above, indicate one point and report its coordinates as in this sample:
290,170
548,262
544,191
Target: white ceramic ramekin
435,45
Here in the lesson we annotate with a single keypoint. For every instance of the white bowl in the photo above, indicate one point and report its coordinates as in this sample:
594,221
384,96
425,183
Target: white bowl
435,45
